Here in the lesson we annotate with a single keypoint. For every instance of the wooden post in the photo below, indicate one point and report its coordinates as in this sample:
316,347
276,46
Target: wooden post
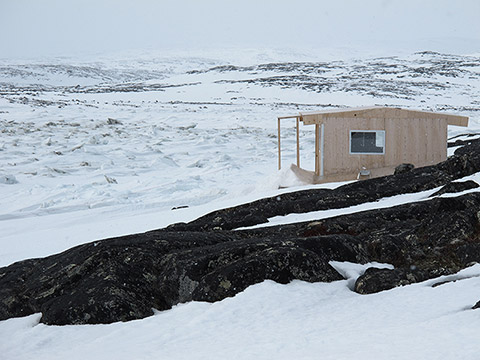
317,168
322,148
298,142
279,151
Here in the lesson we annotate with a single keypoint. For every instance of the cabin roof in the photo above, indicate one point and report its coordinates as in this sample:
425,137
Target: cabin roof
316,117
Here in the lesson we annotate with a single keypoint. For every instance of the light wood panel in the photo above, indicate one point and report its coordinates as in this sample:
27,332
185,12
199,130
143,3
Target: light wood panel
416,137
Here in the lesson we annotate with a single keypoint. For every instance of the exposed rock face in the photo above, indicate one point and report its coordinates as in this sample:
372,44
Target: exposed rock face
124,278
455,187
470,138
375,280
403,168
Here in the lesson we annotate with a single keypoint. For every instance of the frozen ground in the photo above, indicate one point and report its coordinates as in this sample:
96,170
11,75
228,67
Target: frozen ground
91,150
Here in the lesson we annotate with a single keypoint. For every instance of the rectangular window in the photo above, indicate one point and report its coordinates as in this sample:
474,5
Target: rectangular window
367,141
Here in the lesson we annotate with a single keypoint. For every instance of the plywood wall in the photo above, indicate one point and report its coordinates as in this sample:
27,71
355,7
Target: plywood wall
420,141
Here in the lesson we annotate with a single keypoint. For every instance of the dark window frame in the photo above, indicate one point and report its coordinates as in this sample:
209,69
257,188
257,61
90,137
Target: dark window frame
365,150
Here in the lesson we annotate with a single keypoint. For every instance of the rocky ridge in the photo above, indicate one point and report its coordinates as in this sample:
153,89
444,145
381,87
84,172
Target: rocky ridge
125,278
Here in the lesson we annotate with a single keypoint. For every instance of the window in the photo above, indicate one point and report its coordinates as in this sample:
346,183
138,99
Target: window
367,142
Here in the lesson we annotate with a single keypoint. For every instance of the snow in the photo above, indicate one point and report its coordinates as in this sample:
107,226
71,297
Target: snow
323,214
145,134
269,320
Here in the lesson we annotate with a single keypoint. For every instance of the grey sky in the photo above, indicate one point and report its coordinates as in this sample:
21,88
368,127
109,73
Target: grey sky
63,27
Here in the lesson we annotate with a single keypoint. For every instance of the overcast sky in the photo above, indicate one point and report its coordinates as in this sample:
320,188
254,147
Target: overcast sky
65,27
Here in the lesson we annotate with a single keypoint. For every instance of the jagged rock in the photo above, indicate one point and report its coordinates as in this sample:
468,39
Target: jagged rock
476,306
403,168
456,186
470,139
124,278
470,148
376,280
111,121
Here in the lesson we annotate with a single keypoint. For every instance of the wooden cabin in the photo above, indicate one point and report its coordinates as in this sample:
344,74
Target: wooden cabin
358,143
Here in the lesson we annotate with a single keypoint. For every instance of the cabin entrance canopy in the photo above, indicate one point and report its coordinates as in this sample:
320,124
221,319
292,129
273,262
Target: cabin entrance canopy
319,131
373,138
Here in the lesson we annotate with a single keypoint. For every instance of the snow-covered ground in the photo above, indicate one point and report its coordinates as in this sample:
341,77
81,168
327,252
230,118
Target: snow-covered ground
109,147
95,149
273,321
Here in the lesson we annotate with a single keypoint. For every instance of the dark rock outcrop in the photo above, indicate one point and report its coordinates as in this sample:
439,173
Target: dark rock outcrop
403,168
455,141
455,187
375,280
125,278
